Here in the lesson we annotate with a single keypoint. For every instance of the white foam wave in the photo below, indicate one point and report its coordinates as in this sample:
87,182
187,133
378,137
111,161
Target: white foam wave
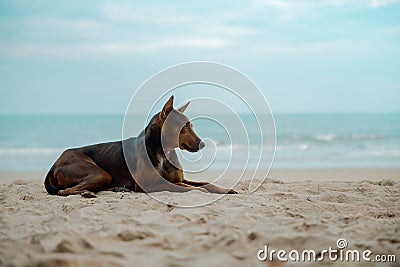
388,153
325,138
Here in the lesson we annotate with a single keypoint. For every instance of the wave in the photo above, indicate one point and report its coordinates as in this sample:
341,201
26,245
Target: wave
323,138
378,154
334,137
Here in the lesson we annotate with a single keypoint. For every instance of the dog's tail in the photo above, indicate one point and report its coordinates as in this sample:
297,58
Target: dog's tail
49,183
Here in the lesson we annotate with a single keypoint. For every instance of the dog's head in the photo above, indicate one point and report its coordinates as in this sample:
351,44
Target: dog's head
176,128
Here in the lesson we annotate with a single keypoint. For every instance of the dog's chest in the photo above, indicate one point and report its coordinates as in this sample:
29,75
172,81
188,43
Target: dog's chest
169,170
160,165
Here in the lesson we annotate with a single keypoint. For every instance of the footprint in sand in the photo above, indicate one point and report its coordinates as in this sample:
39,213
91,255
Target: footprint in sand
127,235
79,245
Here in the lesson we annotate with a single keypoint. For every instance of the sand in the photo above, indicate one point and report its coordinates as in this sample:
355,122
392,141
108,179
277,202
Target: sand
132,229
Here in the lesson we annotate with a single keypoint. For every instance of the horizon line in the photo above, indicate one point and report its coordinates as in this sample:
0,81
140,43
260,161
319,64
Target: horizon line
215,113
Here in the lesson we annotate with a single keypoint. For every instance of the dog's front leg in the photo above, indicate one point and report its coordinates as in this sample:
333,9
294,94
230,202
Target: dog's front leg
210,187
167,186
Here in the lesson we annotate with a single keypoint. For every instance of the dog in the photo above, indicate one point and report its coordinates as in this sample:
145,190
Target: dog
154,162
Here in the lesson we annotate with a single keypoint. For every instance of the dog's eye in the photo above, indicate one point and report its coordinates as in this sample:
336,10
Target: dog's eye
187,125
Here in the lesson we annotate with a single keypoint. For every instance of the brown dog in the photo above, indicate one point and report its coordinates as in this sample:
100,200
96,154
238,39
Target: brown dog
153,161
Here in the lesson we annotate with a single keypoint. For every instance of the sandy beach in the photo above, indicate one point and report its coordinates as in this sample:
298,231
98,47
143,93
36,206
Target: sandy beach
292,210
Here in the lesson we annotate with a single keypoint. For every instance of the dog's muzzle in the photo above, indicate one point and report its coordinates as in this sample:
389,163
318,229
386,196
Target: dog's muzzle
201,145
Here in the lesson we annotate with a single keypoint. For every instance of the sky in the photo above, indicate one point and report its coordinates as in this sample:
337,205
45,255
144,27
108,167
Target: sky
89,57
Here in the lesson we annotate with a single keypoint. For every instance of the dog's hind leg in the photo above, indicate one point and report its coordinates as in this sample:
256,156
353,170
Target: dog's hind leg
88,184
210,187
82,176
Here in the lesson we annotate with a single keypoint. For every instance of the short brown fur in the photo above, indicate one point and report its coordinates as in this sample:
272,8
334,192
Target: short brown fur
154,162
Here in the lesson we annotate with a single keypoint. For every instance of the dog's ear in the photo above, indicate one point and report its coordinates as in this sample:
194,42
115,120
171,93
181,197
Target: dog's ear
168,107
184,107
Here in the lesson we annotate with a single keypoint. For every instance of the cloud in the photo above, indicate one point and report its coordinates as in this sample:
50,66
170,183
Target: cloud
288,10
136,13
113,49
381,3
117,30
345,50
131,29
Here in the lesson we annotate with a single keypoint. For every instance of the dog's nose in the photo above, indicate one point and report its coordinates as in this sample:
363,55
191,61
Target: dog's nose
201,145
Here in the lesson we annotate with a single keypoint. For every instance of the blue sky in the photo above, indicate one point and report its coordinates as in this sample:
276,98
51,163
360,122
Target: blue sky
79,57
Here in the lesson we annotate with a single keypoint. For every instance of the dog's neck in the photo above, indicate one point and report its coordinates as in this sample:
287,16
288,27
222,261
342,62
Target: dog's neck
158,154
153,142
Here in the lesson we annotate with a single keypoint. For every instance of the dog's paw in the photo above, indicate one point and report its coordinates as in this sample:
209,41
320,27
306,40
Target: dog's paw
62,193
88,194
120,189
231,191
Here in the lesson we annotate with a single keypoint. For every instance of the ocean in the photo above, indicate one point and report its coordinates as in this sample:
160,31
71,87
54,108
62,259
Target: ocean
34,142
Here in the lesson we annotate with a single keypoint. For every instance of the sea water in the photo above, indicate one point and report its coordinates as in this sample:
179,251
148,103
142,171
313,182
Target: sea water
34,142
